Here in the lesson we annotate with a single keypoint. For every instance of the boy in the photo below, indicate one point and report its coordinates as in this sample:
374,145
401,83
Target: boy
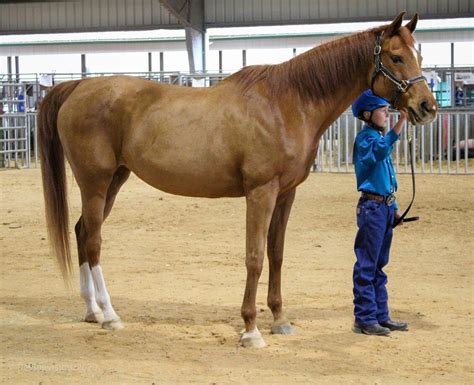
376,212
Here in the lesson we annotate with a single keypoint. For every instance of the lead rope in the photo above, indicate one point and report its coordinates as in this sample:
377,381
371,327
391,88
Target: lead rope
402,217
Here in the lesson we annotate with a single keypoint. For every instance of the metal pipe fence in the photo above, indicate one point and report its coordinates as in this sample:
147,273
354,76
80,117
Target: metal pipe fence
445,146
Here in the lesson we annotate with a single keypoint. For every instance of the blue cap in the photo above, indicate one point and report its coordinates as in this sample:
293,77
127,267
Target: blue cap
367,101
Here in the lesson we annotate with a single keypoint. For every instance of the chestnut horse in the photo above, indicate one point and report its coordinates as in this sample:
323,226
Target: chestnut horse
254,135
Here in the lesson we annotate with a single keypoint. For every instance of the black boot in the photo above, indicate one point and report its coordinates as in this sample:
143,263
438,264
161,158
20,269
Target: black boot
373,330
395,326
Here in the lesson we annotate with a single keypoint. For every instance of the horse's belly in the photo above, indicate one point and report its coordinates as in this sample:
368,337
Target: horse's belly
193,179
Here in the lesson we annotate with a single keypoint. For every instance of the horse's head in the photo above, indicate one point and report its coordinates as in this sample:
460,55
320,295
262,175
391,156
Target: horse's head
397,75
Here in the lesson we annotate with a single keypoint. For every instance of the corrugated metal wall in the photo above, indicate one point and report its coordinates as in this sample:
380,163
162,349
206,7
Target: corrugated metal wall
263,12
102,15
85,16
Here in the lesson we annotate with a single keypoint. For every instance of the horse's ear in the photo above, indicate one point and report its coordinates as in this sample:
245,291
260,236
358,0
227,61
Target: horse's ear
411,25
393,28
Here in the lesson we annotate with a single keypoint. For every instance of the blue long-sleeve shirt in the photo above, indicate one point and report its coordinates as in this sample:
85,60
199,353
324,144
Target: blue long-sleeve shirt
373,162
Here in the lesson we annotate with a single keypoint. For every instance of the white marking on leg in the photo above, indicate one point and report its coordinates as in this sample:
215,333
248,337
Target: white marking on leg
93,313
111,319
252,339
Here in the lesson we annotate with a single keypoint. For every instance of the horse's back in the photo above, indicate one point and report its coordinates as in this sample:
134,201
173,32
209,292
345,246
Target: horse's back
175,138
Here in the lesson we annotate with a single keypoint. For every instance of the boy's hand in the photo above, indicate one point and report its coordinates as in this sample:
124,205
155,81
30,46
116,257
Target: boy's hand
403,114
399,125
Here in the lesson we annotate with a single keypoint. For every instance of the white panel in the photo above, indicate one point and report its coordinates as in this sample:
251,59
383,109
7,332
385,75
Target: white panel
282,42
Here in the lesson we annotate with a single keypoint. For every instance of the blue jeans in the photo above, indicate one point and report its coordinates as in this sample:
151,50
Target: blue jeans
372,249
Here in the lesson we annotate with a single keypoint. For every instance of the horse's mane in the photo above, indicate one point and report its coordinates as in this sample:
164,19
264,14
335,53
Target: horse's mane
315,73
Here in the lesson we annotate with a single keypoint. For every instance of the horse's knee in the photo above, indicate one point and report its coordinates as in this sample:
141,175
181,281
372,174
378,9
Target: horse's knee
254,266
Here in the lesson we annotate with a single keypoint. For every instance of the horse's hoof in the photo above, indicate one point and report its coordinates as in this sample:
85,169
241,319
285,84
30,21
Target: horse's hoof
252,339
97,317
284,328
115,324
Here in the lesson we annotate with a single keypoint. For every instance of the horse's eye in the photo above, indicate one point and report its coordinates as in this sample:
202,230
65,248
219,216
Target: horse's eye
397,59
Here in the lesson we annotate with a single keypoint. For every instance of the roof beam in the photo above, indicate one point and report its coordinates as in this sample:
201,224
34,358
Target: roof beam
191,15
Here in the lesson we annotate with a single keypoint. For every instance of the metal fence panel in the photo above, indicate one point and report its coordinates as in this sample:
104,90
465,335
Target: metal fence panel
446,143
442,146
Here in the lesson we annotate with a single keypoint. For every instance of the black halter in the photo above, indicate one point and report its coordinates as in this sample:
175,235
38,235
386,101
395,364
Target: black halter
402,85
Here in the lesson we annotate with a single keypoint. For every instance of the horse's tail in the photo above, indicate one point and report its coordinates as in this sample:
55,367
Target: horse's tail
53,171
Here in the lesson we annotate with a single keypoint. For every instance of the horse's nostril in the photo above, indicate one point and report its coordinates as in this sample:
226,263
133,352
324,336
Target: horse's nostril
424,107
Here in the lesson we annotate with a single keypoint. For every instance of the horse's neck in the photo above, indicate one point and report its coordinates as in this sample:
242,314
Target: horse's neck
349,77
328,111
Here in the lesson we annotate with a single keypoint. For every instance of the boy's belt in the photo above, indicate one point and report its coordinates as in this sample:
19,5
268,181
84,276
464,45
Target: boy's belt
389,199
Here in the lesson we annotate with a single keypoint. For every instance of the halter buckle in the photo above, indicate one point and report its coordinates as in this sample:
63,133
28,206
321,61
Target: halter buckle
403,86
377,49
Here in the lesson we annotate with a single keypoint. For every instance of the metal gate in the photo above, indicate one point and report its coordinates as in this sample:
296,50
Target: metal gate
14,129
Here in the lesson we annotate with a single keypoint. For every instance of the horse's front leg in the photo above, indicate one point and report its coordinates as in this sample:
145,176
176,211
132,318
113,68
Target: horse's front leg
260,205
275,245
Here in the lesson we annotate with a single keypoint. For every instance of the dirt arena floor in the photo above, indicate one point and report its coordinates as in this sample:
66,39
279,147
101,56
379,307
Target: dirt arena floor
175,271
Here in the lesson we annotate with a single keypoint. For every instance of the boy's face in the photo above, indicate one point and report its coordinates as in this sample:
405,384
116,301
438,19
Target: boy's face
380,116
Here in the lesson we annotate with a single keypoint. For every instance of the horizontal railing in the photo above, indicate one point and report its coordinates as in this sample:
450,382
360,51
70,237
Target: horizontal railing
171,77
445,146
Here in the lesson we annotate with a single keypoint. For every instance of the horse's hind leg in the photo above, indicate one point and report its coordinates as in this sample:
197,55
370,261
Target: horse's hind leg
260,206
275,245
93,311
95,211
